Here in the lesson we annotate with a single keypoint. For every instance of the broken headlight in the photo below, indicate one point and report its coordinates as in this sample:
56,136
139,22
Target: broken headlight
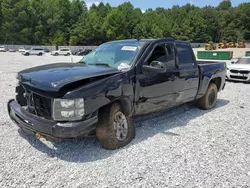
68,110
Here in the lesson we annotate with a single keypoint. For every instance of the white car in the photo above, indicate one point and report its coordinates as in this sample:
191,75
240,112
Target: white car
2,49
62,51
21,49
34,51
239,70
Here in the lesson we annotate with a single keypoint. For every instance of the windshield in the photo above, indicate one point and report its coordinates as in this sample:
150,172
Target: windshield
243,61
114,54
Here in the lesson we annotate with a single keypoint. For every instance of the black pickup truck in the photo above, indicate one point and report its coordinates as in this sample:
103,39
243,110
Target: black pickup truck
100,94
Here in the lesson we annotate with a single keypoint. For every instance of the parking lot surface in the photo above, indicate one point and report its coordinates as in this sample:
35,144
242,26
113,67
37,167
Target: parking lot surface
182,147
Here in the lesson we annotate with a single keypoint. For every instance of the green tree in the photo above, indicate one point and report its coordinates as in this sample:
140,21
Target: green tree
90,28
225,5
211,21
61,22
1,21
149,26
77,8
16,21
52,18
242,21
121,22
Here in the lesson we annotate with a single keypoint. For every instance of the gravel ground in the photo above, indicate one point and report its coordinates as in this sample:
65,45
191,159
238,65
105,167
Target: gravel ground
184,147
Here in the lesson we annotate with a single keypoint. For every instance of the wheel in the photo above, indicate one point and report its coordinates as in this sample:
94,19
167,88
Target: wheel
56,54
115,129
208,101
27,54
40,54
68,54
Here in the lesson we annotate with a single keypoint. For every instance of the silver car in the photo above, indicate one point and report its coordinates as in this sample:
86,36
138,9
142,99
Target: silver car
239,70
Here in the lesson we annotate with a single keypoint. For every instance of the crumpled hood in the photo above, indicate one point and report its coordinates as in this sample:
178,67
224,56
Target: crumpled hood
239,66
52,77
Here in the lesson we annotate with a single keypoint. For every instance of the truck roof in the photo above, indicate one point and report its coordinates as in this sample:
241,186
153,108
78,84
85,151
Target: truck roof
149,40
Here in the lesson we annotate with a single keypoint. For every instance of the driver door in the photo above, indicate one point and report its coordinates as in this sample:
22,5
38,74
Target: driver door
158,90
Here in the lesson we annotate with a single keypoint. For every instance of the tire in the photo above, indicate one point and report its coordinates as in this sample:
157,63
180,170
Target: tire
107,133
56,54
208,101
40,54
68,54
27,54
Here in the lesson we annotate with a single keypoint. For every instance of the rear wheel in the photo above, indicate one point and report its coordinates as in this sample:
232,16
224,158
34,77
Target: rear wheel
115,129
27,54
68,54
208,101
56,54
40,54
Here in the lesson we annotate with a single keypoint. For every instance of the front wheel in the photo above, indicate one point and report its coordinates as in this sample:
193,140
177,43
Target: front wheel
208,101
115,129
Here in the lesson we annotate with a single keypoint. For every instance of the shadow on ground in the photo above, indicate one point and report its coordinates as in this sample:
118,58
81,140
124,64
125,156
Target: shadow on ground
89,149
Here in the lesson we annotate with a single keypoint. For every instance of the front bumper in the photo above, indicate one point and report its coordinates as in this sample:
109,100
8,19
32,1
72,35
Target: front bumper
237,77
35,124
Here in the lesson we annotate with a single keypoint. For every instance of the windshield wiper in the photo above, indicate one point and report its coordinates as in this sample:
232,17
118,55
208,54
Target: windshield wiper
101,64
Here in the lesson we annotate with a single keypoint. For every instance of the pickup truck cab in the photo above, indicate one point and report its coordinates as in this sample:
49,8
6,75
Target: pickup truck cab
118,80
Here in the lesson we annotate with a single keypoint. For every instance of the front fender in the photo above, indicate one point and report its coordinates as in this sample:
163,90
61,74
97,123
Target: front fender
106,91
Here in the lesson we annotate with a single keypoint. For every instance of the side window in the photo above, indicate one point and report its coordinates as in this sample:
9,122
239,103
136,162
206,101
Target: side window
169,58
165,54
184,54
158,52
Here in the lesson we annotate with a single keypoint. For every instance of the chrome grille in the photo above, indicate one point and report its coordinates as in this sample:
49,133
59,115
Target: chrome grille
239,71
35,103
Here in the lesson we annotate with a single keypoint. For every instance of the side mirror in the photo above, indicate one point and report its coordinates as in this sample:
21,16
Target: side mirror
154,67
232,62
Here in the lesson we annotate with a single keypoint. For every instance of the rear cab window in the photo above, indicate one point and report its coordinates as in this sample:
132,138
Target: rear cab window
184,54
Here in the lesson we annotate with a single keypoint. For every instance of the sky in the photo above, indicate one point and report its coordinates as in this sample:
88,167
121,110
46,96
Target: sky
145,4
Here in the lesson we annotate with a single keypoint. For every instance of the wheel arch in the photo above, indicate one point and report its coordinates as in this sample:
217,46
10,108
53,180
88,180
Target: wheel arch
125,103
217,81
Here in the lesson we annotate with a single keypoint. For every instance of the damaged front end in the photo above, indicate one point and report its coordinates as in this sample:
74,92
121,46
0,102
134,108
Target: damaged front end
38,114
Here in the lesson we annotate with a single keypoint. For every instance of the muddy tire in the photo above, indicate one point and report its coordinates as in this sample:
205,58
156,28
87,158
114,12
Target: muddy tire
115,129
208,101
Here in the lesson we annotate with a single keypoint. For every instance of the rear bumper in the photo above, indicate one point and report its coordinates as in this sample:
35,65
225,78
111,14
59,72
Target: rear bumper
36,124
